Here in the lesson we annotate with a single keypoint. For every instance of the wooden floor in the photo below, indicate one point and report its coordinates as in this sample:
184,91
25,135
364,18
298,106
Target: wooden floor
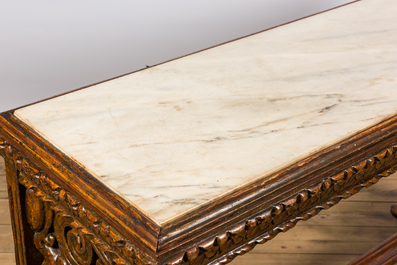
335,236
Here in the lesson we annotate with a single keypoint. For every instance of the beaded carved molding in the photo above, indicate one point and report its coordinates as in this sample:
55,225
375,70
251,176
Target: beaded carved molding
67,232
242,238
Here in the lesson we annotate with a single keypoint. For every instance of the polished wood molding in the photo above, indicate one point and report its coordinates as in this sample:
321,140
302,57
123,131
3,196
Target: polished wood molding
257,197
111,207
50,205
308,201
255,213
61,227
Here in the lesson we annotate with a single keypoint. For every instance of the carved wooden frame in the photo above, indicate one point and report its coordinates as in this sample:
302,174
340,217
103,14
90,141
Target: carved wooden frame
65,231
61,214
69,226
309,201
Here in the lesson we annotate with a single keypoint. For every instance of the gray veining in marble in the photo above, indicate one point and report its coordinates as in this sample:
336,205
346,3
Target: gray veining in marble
175,136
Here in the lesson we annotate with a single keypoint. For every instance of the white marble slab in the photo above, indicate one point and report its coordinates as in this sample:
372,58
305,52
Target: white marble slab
175,136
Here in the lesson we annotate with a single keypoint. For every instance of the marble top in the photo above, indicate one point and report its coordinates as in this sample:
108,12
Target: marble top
175,136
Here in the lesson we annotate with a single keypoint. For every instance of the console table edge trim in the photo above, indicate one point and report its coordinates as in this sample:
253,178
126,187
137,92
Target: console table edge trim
256,196
384,127
383,164
129,221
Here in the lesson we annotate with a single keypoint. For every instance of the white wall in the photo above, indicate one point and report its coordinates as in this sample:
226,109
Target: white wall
49,47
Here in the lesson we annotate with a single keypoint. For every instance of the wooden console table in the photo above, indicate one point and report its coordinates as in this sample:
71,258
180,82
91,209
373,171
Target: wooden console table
199,159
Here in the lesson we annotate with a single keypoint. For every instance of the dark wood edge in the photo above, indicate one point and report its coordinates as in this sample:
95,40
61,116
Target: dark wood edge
263,226
220,44
269,190
212,217
185,228
280,217
383,254
106,241
255,198
118,212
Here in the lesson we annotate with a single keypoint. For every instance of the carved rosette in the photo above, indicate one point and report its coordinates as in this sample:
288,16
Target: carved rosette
65,231
283,216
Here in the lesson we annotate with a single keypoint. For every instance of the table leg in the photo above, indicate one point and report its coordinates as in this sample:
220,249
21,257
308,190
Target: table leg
18,226
393,210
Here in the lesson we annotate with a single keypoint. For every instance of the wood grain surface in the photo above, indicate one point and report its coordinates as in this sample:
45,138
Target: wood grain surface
336,236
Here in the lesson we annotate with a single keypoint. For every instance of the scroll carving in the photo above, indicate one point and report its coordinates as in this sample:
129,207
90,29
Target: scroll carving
61,239
66,231
283,216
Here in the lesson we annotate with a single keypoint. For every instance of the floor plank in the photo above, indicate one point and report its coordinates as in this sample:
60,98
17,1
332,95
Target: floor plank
6,239
355,214
383,191
338,233
293,259
327,240
7,258
3,181
5,218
